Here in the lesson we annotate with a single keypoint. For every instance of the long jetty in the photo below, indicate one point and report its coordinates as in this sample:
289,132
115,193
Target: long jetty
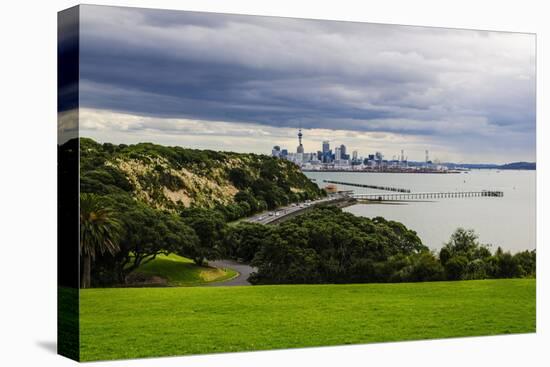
428,195
385,188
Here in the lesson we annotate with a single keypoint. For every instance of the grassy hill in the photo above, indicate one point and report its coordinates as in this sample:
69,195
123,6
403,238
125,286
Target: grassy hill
172,177
177,271
147,322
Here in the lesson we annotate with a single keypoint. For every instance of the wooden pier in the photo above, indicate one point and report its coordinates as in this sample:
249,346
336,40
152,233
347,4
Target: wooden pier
385,188
428,195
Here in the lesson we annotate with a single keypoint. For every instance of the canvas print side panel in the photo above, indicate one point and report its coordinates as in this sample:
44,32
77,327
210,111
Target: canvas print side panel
68,188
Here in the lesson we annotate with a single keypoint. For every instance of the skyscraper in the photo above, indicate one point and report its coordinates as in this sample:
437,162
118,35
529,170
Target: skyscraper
343,154
326,154
338,153
326,146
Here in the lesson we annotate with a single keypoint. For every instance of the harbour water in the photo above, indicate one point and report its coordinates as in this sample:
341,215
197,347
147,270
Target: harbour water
508,221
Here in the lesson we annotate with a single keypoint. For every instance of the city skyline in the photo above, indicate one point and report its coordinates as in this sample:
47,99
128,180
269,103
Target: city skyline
242,83
337,155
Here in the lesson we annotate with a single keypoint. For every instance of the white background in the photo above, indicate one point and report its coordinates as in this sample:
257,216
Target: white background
28,182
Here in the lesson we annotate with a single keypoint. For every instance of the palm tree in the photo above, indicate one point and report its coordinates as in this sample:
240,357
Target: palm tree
99,232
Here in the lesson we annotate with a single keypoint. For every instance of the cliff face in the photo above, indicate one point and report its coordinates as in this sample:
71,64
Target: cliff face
175,177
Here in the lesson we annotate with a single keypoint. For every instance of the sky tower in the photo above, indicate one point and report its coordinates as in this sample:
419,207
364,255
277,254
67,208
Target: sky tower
300,148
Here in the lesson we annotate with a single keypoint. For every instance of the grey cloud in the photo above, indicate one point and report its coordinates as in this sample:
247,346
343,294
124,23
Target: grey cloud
286,72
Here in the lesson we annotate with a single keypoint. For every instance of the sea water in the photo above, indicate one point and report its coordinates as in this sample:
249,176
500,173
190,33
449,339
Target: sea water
508,221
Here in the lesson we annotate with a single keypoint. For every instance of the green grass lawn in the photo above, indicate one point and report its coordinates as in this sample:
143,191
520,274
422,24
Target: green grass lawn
180,271
146,322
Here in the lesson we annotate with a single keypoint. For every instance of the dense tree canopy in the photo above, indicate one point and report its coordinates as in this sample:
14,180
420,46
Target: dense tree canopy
463,257
327,245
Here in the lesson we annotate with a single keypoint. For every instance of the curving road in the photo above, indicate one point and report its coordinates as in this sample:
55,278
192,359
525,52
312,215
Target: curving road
243,269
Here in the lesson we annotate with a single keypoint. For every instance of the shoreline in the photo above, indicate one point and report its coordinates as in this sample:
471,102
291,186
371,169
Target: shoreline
420,172
365,171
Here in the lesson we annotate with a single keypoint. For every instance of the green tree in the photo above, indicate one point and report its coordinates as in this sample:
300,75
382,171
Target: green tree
147,233
455,267
444,255
240,178
244,240
475,269
99,233
463,242
527,261
209,226
248,198
508,266
425,267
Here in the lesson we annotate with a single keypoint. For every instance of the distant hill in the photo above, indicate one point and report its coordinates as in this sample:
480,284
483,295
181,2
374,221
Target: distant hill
514,165
520,165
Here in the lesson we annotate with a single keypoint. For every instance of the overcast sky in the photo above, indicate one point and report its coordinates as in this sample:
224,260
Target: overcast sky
245,83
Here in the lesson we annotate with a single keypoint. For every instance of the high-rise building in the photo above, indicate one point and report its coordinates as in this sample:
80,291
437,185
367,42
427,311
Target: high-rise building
354,155
300,148
276,151
326,154
343,154
337,154
326,146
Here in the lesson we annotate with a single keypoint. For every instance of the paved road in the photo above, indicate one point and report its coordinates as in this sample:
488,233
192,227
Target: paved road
263,218
243,269
268,217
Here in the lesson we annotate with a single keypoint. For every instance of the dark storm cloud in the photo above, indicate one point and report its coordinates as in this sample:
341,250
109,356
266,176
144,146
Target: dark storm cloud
286,72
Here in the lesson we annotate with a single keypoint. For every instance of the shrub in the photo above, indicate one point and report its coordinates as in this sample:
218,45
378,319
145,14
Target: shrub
455,267
475,269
